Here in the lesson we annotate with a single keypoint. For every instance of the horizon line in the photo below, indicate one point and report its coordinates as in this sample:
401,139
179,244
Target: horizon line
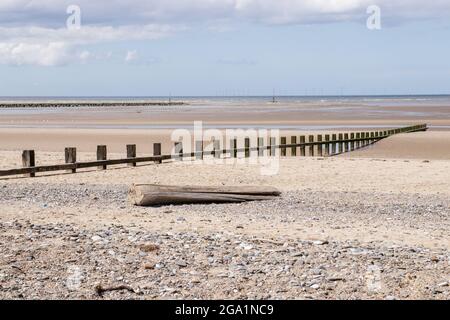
233,96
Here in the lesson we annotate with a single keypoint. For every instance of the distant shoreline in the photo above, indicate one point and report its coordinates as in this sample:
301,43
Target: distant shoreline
181,97
75,104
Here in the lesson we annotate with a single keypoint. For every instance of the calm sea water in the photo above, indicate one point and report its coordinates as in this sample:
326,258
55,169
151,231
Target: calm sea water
261,104
400,100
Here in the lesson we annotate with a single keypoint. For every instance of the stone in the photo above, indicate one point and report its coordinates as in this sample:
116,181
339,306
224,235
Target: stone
149,266
149,247
96,238
181,263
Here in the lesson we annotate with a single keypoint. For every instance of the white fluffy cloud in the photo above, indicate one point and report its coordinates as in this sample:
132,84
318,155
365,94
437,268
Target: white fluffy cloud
30,27
87,34
50,54
53,47
123,12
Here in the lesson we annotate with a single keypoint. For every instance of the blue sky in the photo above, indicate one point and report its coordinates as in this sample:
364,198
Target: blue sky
227,47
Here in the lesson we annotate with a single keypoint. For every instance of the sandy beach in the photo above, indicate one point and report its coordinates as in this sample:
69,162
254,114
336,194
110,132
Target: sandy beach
188,152
392,225
53,129
369,224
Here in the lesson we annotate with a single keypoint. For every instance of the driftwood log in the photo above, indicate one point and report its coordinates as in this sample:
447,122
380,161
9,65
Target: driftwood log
156,195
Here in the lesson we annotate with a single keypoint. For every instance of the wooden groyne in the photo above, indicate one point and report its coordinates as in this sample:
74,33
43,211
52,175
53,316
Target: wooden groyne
320,145
63,104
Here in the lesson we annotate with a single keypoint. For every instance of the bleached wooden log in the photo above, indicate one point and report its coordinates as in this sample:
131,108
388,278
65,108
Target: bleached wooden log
156,195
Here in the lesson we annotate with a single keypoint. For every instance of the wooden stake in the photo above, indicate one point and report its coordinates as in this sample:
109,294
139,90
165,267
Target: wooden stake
346,143
29,161
283,149
70,155
261,147
234,148
131,153
178,150
352,143
327,146
273,143
333,145
319,146
216,148
294,149
302,148
157,151
102,154
311,147
247,147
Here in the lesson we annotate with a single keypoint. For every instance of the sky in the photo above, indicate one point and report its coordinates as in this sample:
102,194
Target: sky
223,47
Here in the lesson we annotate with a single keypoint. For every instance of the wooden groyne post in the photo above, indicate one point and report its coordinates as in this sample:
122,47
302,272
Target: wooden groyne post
325,147
294,148
102,154
157,152
70,155
311,146
283,150
28,161
178,154
302,146
131,153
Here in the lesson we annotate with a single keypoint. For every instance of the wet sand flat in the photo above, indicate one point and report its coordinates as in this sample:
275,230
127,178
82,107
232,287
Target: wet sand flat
53,129
371,224
219,113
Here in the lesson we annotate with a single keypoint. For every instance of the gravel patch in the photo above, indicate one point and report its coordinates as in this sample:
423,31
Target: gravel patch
60,261
40,260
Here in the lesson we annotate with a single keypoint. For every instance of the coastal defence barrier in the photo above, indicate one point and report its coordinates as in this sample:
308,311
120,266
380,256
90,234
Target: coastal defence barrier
299,146
85,104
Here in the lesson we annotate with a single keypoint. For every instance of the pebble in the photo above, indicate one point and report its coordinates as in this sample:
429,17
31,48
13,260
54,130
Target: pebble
149,247
149,266
96,238
220,262
181,263
320,242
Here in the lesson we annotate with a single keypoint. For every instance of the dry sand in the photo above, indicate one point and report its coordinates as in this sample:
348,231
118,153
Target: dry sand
339,224
432,145
372,224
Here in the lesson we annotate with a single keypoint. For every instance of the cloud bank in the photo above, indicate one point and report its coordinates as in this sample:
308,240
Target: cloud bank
38,28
